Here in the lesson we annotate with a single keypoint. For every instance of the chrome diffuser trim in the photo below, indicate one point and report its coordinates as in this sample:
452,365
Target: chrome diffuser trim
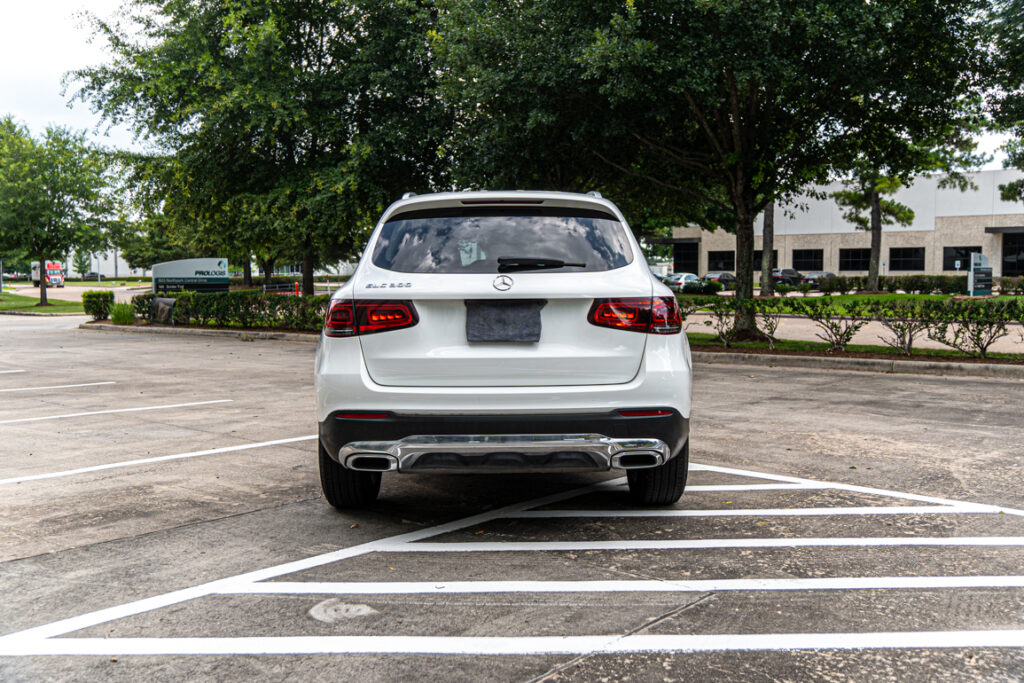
605,451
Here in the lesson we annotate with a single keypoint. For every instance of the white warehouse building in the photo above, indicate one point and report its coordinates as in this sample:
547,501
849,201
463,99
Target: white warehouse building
948,224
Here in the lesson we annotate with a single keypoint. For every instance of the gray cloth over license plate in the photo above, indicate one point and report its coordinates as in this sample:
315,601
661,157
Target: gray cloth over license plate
517,320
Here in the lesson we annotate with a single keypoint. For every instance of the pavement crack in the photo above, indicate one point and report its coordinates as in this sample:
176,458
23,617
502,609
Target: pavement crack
654,621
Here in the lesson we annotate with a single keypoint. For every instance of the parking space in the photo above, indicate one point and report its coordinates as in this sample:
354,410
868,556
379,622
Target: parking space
834,524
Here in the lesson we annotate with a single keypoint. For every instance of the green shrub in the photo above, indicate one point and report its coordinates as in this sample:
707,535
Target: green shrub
701,287
783,290
248,309
122,314
972,326
838,329
905,321
97,304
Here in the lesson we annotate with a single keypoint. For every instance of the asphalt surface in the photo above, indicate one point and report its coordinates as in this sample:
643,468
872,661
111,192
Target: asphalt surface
160,519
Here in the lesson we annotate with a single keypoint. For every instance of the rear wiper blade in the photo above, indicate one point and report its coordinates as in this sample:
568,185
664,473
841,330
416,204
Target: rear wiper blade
510,263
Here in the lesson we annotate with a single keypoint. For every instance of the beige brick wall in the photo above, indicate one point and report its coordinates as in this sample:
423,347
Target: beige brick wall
950,231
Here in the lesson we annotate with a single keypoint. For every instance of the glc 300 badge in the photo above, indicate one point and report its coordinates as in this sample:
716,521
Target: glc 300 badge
387,285
503,283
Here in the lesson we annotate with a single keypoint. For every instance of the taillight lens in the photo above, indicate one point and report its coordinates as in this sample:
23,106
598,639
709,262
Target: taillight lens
657,315
351,318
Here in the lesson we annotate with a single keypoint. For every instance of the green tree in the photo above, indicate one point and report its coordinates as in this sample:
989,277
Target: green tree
1008,84
53,193
726,105
82,262
865,205
288,125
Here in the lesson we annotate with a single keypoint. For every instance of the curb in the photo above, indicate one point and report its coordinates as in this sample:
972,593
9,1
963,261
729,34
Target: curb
39,315
899,367
244,335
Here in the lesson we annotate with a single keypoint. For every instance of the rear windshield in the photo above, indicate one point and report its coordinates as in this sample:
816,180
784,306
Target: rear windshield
471,240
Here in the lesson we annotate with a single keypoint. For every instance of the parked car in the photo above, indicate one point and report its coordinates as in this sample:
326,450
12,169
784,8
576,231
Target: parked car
814,278
497,332
727,280
787,276
92,275
676,281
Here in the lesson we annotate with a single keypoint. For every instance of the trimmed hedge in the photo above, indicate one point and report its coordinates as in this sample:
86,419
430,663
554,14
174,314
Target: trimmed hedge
249,309
97,304
911,284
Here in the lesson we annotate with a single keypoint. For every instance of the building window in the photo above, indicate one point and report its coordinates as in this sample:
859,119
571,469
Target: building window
757,258
906,258
721,260
854,259
809,259
950,255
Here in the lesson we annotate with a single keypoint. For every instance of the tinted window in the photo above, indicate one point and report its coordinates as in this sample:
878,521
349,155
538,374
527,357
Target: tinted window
906,258
808,259
758,253
950,256
854,259
472,240
721,260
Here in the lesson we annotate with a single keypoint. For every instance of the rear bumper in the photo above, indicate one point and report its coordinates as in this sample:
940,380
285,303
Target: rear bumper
504,443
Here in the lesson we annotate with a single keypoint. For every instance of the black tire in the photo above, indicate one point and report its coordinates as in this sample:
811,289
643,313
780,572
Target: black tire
662,485
344,488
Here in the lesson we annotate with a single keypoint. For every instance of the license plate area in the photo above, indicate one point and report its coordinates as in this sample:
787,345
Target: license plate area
512,320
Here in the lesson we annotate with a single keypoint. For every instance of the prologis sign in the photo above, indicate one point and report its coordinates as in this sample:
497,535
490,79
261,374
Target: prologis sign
194,274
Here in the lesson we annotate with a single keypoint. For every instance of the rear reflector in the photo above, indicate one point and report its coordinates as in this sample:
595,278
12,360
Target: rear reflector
645,413
362,416
657,315
350,318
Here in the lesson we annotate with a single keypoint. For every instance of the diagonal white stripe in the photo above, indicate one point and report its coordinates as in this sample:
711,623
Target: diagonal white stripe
117,410
57,386
160,458
964,508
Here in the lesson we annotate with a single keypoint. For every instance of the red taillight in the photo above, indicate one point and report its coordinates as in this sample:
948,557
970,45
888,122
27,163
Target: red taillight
362,416
660,315
666,318
654,412
350,318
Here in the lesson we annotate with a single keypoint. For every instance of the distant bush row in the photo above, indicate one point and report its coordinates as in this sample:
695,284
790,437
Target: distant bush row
970,326
249,309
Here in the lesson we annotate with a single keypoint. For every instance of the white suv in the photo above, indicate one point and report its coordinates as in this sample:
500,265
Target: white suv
494,332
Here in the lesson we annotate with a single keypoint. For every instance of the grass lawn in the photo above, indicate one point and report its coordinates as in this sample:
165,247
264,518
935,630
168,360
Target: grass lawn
13,302
701,339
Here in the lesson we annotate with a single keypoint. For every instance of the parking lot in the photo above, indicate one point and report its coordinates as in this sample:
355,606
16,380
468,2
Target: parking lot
161,519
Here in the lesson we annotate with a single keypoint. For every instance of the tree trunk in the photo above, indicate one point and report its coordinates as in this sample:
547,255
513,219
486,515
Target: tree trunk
268,271
767,246
247,272
42,282
876,240
307,271
746,326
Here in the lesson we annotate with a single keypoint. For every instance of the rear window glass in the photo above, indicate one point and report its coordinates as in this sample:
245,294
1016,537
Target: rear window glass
471,240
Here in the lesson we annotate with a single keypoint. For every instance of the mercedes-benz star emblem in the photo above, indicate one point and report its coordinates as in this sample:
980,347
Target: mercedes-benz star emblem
502,283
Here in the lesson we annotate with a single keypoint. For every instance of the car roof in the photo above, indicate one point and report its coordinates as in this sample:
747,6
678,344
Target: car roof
444,200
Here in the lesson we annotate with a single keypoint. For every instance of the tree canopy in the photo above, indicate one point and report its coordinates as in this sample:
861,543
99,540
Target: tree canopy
53,193
288,124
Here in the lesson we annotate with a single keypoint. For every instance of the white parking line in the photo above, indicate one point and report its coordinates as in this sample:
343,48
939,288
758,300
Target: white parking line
45,640
161,458
57,386
769,512
117,410
639,586
703,544
9,372
515,645
756,487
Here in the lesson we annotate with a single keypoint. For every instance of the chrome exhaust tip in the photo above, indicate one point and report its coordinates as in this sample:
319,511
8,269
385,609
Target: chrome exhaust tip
635,460
372,462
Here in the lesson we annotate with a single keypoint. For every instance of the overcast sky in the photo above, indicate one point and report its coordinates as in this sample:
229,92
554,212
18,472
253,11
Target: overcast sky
41,40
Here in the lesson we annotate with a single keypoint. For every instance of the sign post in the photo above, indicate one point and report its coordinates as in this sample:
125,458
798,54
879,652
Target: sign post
194,274
979,276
